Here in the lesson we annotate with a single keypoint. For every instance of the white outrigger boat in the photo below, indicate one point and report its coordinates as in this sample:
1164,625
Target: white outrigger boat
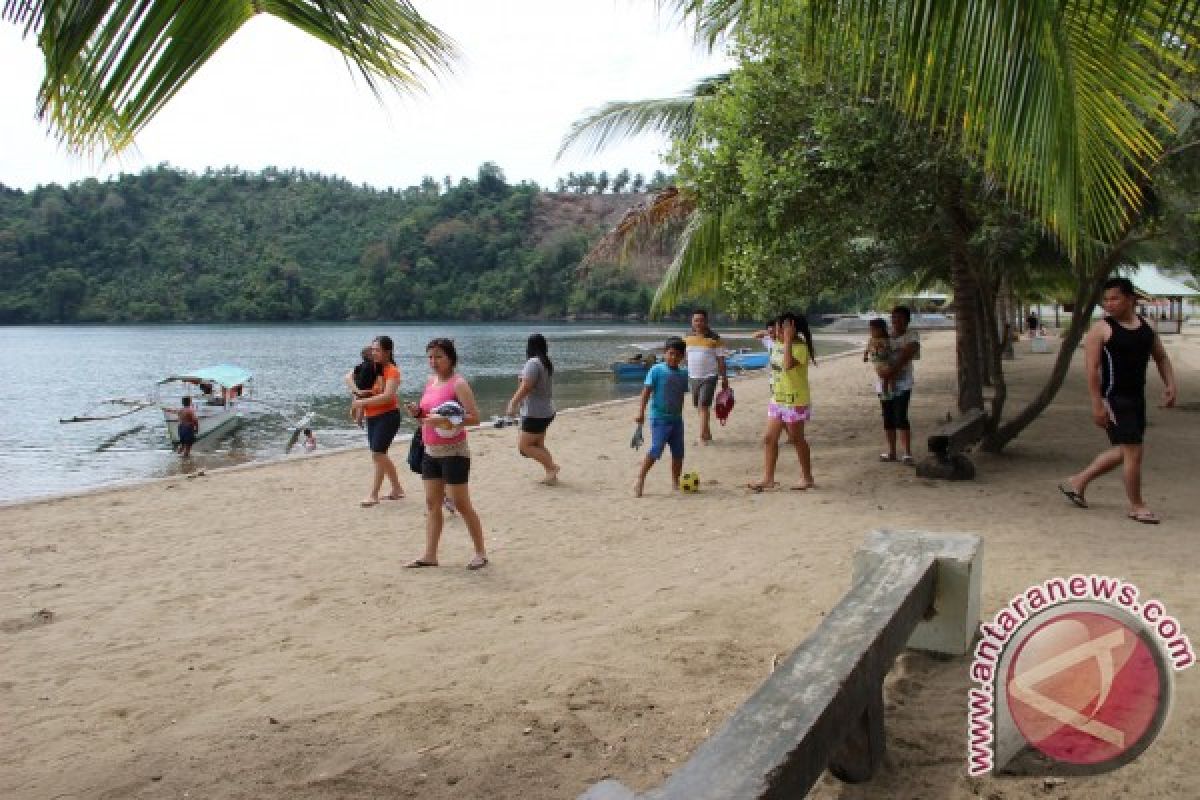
218,395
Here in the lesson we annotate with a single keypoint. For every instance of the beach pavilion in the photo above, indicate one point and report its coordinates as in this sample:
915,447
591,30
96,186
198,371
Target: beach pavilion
1162,300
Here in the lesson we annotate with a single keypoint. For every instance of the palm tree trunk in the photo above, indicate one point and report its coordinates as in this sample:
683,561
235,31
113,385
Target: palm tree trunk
966,305
1087,295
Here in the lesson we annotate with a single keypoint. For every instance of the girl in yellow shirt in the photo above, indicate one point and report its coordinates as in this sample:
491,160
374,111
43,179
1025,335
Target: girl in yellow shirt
790,405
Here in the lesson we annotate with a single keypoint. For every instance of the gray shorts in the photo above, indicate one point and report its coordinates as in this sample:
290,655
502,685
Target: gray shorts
703,390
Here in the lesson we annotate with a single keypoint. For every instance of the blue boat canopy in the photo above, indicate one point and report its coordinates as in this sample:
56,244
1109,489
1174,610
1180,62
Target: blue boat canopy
224,375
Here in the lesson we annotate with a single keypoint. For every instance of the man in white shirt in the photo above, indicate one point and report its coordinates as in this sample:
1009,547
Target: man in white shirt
705,364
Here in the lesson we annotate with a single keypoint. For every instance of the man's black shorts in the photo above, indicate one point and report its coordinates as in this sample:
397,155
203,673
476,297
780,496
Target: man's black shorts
454,470
1126,419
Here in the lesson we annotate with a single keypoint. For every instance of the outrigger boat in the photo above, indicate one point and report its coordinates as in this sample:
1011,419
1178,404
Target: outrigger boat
218,395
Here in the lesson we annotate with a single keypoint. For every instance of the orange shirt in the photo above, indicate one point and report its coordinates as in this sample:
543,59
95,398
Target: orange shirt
389,371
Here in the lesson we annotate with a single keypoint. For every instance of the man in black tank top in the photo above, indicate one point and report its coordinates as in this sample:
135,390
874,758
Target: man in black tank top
1118,350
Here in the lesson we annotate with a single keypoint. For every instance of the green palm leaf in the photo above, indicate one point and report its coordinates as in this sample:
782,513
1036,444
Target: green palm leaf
1062,99
697,271
111,65
670,116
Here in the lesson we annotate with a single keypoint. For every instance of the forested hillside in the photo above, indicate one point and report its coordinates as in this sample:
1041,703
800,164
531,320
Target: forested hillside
230,246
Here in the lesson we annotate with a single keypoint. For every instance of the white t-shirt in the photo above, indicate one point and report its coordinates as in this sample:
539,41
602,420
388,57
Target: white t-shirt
702,354
904,378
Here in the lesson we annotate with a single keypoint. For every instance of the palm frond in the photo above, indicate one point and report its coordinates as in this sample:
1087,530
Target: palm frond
111,65
1060,99
673,117
666,209
698,269
713,20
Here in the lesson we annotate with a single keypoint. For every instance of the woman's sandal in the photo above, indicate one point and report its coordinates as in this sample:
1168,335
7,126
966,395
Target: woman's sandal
420,562
478,562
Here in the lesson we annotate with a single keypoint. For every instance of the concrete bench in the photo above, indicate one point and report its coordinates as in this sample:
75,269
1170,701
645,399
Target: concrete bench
823,706
947,445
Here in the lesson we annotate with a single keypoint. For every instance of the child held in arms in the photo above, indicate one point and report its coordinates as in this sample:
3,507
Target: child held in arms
879,353
665,387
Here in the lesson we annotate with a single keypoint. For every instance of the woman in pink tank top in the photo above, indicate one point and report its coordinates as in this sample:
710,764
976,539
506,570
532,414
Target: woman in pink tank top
446,465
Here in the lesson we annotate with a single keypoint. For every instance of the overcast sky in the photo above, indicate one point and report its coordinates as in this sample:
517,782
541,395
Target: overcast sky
274,97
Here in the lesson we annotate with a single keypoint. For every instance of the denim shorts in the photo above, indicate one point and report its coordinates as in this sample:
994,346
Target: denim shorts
382,429
664,433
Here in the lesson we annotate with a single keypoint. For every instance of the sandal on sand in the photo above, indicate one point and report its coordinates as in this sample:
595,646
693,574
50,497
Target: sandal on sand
801,487
419,562
1072,494
368,503
1145,516
393,496
759,487
478,562
887,457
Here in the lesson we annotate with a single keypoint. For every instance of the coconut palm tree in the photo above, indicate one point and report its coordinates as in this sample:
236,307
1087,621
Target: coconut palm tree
111,65
1065,100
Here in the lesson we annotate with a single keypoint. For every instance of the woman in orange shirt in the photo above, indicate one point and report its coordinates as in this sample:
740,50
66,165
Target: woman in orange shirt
382,413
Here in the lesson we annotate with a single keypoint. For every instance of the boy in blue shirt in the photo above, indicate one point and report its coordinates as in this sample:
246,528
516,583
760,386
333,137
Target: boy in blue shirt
667,383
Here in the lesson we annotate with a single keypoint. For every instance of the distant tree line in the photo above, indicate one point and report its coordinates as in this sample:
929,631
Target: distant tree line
621,183
167,245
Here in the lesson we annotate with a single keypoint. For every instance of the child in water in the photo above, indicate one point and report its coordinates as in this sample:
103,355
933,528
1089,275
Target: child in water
879,353
310,441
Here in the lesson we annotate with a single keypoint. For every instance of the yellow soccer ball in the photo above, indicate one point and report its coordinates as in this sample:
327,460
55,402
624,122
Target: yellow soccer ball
690,482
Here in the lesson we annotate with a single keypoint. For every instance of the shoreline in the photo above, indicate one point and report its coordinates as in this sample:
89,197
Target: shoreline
401,438
252,635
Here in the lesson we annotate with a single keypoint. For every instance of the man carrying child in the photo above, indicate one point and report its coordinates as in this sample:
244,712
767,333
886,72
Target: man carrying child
665,387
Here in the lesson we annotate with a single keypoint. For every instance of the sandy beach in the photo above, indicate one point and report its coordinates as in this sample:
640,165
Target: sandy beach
250,633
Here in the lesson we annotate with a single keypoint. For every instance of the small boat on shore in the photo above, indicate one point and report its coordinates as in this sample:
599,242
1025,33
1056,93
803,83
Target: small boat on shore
745,358
218,395
635,367
630,370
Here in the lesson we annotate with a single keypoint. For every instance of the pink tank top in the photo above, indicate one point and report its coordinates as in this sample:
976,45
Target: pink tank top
433,397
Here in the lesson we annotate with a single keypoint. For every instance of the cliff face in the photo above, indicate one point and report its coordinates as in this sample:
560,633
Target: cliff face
557,213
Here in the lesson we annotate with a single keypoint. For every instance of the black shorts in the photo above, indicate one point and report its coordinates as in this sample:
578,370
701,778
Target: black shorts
187,433
381,430
703,390
895,411
1126,419
454,470
536,424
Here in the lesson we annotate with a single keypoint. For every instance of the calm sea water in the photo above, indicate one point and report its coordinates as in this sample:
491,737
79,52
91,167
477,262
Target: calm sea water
50,373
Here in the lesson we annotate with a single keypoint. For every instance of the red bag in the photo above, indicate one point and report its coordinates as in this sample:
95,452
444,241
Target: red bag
723,404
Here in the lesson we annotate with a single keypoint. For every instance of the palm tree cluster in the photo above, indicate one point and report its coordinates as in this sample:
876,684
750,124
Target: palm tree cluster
1066,110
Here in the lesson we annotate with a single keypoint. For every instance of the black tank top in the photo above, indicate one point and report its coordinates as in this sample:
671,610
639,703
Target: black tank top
1126,354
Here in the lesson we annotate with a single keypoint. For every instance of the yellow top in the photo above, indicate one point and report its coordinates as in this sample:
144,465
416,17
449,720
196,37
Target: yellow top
791,385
